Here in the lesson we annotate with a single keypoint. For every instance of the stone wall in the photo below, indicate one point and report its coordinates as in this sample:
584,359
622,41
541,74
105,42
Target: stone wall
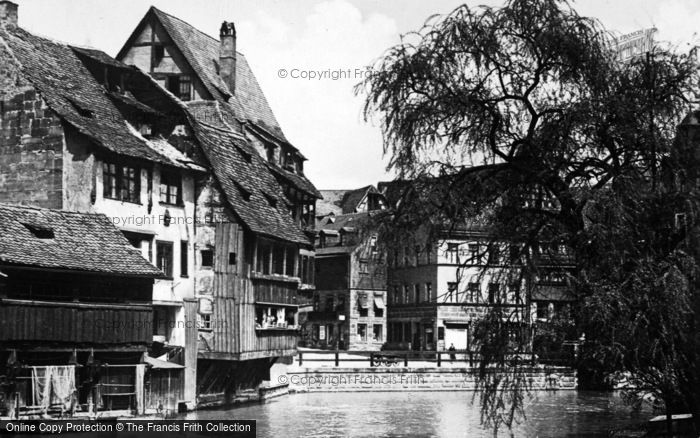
31,151
413,379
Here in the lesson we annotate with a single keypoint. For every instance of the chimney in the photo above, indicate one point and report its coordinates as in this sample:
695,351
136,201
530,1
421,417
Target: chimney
227,56
8,13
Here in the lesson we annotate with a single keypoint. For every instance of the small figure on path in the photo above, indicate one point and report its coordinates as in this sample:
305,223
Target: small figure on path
451,350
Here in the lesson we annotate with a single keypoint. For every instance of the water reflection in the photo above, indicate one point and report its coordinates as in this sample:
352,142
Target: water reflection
429,414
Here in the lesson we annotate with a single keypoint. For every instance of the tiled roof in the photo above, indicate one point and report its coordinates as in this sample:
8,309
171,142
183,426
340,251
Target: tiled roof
300,182
330,203
74,95
248,103
249,187
353,220
202,53
342,201
334,250
81,242
353,197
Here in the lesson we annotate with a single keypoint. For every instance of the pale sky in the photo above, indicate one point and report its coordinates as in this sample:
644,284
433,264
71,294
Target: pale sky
321,117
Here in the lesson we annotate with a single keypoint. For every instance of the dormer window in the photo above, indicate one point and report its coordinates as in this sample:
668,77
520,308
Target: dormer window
180,86
40,231
146,129
81,109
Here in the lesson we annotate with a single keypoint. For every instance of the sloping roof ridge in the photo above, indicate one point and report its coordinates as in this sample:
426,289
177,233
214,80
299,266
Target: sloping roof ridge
37,208
155,9
226,129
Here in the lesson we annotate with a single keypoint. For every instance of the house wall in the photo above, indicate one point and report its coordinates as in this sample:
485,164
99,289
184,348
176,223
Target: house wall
137,217
173,61
31,148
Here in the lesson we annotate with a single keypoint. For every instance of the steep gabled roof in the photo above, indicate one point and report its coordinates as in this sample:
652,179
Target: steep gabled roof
74,95
247,105
250,189
54,239
343,201
202,53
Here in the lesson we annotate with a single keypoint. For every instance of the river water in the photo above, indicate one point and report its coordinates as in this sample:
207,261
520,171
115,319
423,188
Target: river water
429,414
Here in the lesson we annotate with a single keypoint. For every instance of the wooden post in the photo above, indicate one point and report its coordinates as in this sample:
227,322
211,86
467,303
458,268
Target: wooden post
371,359
471,360
337,359
300,359
439,356
405,360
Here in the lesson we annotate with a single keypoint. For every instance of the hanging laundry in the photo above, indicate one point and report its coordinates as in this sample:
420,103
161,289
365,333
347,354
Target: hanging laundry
53,386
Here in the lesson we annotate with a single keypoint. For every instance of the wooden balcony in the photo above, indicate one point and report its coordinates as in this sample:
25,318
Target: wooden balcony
74,324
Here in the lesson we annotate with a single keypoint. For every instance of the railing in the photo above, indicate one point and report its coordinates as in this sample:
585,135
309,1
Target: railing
403,357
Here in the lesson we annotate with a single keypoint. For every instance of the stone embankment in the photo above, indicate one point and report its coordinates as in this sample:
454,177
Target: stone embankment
326,379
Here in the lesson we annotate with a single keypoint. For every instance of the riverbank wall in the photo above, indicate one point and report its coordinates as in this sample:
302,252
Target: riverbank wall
326,379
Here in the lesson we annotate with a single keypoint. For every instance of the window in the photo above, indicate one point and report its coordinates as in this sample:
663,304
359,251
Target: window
41,231
362,332
494,293
329,304
453,253
204,322
514,254
180,86
418,251
378,312
416,293
109,180
170,188
278,259
405,256
364,267
513,296
207,258
450,297
164,257
474,254
441,333
130,184
494,255
542,310
377,333
428,292
406,298
428,254
680,222
291,256
183,258
232,258
340,307
473,293
121,182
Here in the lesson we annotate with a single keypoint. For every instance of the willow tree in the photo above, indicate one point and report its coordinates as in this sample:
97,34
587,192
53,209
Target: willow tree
525,115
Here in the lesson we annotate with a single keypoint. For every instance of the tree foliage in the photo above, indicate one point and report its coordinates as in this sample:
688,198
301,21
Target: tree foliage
524,117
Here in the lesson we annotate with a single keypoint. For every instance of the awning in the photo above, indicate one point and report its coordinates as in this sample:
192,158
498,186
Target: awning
363,300
379,300
161,364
